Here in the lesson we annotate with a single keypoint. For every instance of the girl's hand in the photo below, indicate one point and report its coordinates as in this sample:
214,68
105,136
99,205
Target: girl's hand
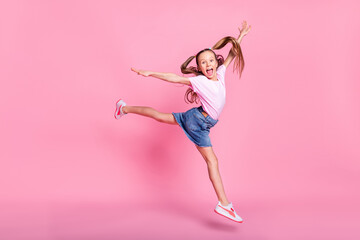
244,30
141,72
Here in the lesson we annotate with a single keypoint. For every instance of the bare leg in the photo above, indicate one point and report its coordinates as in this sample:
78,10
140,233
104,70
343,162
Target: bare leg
214,174
150,112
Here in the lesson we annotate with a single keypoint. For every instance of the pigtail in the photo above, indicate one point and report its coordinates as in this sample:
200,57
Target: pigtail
239,62
189,70
191,96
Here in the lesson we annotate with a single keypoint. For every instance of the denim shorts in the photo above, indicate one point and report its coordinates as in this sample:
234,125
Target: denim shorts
196,126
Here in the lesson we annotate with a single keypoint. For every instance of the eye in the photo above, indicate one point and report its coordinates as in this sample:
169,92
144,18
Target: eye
211,60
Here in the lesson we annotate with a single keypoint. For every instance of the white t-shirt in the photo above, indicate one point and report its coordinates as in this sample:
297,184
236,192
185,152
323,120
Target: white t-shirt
211,93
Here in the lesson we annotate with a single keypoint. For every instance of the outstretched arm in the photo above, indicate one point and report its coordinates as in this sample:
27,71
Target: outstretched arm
169,77
245,29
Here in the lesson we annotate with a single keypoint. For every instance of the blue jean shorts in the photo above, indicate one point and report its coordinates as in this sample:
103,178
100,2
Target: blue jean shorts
196,126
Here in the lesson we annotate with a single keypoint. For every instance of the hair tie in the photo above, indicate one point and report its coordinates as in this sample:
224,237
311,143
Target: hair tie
210,48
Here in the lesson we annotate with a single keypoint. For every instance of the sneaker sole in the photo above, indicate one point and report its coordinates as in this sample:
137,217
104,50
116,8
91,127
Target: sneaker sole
228,217
116,110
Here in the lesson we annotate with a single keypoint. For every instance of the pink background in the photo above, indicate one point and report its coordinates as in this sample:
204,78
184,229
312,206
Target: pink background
287,140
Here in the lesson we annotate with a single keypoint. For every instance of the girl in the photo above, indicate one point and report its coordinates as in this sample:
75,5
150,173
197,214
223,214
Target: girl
208,86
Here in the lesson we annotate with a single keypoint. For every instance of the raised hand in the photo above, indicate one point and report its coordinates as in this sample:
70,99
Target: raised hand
244,29
141,72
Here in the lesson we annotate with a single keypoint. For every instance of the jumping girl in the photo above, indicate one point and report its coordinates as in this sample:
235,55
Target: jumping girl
208,86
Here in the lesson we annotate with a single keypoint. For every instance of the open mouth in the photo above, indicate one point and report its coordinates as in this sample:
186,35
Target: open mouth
209,71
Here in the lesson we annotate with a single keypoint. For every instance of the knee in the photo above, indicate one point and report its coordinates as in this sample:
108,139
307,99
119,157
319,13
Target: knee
160,119
157,115
212,161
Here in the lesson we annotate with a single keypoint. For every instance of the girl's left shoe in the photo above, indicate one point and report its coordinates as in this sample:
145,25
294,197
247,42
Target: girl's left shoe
228,212
118,111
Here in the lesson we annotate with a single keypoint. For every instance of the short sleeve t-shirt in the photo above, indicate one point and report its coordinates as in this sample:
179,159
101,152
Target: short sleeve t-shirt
211,93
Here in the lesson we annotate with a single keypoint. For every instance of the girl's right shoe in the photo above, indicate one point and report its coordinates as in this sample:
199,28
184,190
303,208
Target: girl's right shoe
228,212
118,111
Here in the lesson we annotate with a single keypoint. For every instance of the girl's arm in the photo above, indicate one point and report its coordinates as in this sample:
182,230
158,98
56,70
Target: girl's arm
245,29
169,77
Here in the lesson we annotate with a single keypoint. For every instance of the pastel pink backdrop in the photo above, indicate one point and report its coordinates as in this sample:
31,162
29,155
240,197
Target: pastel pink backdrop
287,140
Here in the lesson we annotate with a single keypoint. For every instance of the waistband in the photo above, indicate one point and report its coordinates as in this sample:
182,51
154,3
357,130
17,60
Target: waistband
209,118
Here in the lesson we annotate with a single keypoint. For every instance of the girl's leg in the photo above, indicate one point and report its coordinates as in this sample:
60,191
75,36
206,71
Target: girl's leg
150,112
214,174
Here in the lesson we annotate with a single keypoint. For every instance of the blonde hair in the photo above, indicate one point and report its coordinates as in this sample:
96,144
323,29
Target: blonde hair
190,95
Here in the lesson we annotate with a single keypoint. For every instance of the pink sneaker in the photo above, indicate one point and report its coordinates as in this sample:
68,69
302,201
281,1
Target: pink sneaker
228,212
118,111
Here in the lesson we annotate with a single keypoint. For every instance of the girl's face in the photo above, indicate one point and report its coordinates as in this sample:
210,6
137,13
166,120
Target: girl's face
207,64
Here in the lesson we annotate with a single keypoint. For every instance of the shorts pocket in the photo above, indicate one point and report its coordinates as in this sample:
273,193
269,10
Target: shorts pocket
203,123
193,123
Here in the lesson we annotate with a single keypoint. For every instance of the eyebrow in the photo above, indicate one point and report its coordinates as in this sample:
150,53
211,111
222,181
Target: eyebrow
205,59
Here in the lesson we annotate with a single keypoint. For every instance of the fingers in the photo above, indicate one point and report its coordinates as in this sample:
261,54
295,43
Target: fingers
244,24
245,28
138,71
134,70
